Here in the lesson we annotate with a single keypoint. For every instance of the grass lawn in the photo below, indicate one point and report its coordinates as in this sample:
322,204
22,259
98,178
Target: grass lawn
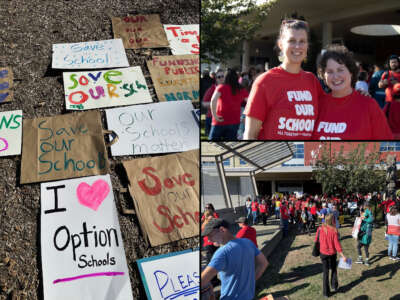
295,273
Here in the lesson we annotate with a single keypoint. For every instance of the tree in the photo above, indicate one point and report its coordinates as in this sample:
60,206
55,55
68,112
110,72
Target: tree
226,23
355,172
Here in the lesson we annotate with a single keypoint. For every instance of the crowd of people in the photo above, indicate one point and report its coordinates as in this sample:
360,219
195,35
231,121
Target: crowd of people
287,102
300,214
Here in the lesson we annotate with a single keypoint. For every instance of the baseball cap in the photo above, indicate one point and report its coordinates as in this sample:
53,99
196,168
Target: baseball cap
242,220
214,224
394,92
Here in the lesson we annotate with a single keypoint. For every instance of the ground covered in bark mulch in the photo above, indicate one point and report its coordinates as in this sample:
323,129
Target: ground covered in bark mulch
28,28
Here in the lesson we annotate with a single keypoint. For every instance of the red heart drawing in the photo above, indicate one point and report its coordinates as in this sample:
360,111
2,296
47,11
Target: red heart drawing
92,196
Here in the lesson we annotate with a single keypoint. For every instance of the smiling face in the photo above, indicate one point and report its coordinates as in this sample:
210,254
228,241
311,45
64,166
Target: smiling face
338,78
293,44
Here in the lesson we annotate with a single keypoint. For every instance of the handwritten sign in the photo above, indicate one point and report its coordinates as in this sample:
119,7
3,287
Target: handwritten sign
90,55
10,132
165,191
6,83
153,128
83,254
183,39
64,146
171,276
141,31
175,77
106,88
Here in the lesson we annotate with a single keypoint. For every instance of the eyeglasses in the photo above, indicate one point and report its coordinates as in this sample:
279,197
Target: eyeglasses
220,76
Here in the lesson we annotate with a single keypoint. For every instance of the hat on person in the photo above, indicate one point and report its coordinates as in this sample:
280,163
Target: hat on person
214,224
242,220
394,92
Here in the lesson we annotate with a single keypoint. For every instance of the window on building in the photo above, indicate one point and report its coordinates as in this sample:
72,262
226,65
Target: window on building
208,163
227,162
242,162
389,146
298,151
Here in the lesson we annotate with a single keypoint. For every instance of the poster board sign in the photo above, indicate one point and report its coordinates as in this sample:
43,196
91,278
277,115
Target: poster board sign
153,128
90,55
165,192
83,255
140,31
64,146
175,77
183,39
171,276
10,132
105,88
6,84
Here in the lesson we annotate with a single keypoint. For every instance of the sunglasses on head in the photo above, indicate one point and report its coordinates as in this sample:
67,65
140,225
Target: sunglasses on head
286,22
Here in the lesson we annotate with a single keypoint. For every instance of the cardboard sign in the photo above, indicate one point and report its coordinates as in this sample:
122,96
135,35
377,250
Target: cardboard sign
105,88
153,128
165,191
141,31
183,39
175,77
6,83
10,132
64,146
171,276
90,55
83,254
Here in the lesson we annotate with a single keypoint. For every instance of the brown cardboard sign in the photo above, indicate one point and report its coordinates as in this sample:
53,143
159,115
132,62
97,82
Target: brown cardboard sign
6,83
64,146
165,191
175,77
140,31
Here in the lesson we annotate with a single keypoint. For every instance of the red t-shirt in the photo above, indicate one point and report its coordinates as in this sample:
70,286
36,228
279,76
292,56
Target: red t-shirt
392,112
354,117
313,210
395,75
254,206
207,98
228,105
263,208
329,242
286,103
284,212
248,232
291,210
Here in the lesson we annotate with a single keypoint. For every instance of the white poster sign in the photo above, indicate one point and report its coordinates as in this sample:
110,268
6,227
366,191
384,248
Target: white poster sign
163,127
105,88
171,276
10,132
183,39
83,255
90,55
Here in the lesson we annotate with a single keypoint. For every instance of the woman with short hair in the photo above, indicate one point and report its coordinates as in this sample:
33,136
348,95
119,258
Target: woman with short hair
345,114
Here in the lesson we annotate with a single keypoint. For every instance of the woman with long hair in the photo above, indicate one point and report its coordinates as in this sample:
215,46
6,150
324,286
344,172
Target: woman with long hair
329,247
283,102
393,232
336,117
225,107
365,235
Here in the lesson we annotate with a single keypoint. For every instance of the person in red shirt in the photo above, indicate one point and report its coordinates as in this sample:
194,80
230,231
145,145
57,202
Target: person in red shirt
284,218
225,107
329,246
391,77
219,79
392,110
263,211
283,102
292,213
254,211
246,231
313,211
336,116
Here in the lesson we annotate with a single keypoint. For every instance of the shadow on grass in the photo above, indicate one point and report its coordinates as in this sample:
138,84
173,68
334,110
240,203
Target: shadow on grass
299,247
390,269
286,292
345,237
377,257
362,297
395,297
